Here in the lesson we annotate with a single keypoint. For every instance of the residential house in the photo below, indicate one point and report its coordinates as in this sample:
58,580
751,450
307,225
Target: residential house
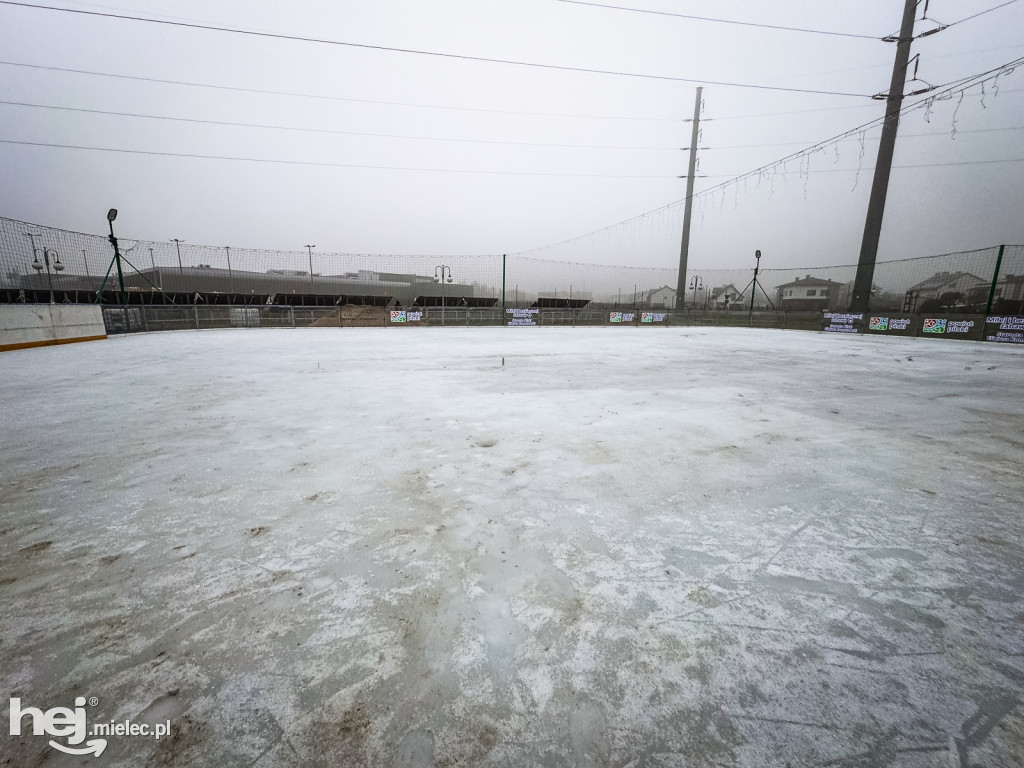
807,294
661,298
726,297
946,290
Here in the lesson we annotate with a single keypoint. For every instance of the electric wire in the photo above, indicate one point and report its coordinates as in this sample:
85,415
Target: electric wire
229,123
436,54
294,94
276,161
724,21
946,91
981,13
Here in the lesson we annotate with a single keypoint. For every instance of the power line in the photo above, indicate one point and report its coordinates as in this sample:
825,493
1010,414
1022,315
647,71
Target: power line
336,98
331,131
902,136
436,54
981,13
945,91
329,165
725,21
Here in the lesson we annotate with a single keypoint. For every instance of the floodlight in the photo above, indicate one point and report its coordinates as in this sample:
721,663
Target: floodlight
112,214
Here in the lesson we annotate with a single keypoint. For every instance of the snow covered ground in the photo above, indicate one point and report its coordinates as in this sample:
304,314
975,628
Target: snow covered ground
623,546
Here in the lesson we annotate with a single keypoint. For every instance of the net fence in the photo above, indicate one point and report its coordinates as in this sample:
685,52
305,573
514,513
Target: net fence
37,262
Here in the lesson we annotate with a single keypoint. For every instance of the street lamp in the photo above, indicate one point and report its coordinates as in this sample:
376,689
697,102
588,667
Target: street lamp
440,278
753,290
697,285
310,249
38,266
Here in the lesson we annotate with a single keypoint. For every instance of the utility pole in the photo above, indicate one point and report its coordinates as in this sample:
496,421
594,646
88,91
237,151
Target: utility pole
880,183
177,247
684,248
310,249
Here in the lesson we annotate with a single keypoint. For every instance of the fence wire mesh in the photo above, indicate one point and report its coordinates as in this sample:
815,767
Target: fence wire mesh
37,262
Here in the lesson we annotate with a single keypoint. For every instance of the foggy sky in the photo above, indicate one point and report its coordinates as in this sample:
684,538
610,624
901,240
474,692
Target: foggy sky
797,218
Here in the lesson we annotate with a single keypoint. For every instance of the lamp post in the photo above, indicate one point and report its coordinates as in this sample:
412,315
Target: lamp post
440,278
697,285
177,247
753,290
111,215
310,249
38,266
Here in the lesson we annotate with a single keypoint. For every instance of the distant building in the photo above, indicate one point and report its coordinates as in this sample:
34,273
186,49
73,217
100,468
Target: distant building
843,296
945,290
662,298
1008,296
726,297
807,294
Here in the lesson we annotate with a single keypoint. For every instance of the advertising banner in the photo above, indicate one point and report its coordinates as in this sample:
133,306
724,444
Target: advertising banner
1008,330
521,316
839,322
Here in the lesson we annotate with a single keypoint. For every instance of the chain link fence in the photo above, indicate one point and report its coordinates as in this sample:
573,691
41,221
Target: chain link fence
40,264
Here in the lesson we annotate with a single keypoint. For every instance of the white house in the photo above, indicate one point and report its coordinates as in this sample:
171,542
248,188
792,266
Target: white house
807,294
661,298
726,297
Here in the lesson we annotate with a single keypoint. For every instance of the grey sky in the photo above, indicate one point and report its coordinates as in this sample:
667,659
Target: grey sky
796,218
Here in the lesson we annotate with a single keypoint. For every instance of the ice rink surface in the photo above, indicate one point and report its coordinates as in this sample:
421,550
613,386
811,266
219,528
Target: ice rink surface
623,547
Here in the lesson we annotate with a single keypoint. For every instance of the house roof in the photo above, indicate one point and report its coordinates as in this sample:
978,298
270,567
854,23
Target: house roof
719,290
809,282
940,279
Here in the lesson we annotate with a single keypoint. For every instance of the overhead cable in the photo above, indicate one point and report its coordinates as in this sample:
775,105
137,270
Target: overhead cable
330,165
725,21
232,124
436,54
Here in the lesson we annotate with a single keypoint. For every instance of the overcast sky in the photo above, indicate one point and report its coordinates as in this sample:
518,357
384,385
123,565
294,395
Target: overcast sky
473,129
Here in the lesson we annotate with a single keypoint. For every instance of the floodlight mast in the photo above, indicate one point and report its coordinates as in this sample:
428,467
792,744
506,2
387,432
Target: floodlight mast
111,215
753,290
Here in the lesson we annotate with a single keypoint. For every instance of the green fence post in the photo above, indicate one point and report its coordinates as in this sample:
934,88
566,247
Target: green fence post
995,278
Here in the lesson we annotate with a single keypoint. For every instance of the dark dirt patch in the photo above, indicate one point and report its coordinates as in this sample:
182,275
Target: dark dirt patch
184,743
109,559
259,530
39,546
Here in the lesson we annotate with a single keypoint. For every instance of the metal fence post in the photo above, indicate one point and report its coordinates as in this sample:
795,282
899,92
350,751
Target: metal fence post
195,312
995,279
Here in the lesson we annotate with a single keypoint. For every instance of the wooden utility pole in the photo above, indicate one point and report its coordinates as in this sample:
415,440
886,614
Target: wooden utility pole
880,183
684,248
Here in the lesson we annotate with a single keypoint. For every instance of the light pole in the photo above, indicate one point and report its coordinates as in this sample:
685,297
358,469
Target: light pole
310,249
753,291
697,285
440,278
111,215
177,247
38,266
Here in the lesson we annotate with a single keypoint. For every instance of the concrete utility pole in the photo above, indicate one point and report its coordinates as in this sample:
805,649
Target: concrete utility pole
177,247
684,248
880,183
310,249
